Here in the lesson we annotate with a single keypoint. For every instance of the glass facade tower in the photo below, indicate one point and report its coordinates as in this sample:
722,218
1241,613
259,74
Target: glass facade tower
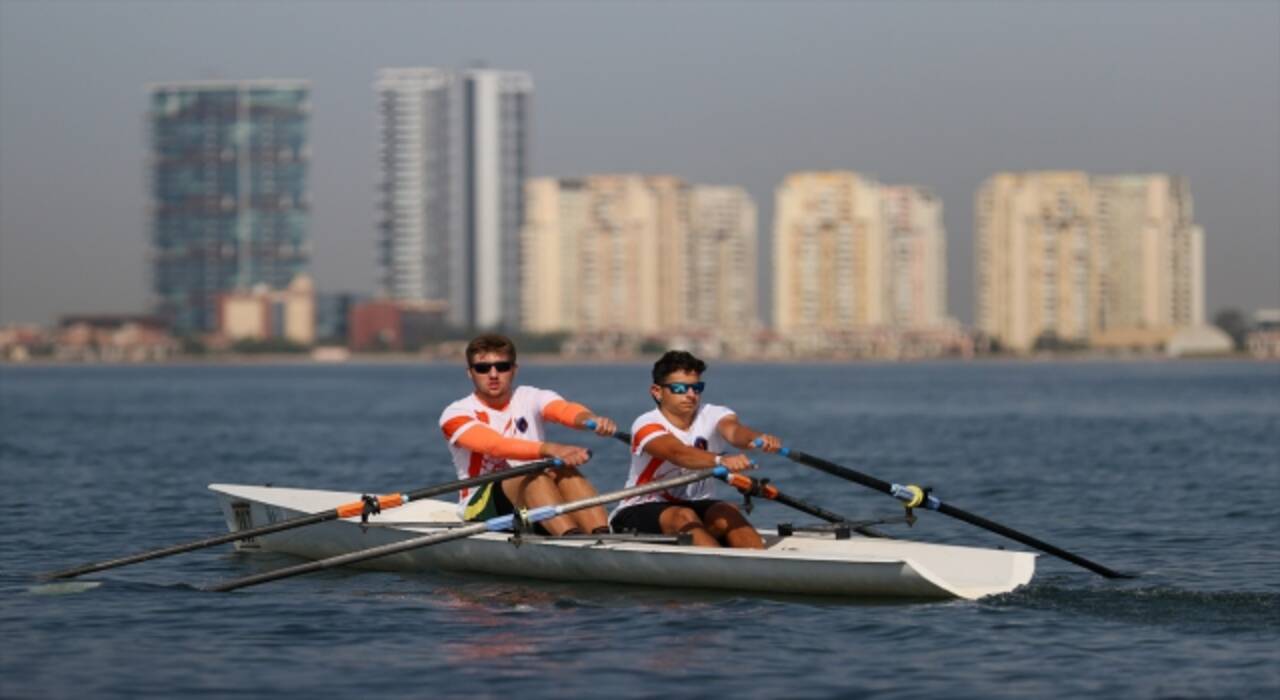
229,201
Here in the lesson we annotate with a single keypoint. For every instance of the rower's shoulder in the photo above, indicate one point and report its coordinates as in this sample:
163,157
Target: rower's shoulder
466,404
647,418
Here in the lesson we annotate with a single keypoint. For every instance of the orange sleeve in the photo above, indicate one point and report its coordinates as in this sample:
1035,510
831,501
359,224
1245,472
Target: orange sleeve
564,412
451,426
486,440
644,433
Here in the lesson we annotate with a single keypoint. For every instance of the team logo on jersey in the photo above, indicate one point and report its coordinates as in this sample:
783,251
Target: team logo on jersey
700,443
522,424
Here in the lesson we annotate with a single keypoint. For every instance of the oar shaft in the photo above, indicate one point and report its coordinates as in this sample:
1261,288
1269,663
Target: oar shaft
837,470
191,546
502,522
811,509
978,520
346,510
754,487
933,503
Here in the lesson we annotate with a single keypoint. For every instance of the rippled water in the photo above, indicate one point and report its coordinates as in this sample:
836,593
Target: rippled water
1169,470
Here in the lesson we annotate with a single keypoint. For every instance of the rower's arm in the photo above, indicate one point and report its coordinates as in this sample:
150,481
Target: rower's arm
742,436
668,448
485,440
575,415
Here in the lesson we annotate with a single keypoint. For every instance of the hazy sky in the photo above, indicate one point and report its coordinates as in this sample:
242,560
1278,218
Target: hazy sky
934,94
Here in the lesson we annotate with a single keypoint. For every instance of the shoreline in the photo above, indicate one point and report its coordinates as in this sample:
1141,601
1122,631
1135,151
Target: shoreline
549,359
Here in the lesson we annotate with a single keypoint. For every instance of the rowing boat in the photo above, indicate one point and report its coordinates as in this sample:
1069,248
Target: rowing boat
828,563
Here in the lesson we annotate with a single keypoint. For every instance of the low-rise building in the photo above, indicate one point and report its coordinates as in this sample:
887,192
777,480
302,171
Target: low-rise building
262,313
1263,342
395,325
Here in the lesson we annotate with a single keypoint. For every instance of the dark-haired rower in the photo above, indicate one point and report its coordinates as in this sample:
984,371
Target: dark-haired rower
500,422
683,433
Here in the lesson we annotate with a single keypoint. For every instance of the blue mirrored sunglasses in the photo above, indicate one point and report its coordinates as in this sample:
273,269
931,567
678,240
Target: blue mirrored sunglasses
684,387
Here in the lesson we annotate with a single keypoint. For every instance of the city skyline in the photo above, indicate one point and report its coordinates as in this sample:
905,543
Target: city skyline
1113,90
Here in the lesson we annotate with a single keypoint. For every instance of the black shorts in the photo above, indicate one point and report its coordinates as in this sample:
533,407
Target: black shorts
490,501
644,516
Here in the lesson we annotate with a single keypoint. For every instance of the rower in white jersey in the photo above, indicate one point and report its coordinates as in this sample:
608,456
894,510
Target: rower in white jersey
683,434
499,422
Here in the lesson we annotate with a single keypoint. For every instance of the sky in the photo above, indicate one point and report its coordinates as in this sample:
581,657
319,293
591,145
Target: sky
939,95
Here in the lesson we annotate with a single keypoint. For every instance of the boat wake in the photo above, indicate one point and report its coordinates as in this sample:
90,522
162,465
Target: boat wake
1223,611
63,587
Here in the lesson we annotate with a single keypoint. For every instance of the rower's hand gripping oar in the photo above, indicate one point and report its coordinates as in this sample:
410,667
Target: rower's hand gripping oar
750,487
915,497
364,507
621,435
498,524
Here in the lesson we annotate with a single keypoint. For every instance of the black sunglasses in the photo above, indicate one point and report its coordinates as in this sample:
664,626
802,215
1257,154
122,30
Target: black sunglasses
684,387
484,367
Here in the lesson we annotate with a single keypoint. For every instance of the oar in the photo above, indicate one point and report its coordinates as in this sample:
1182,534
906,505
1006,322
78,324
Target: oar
502,522
914,496
343,511
755,487
622,435
762,488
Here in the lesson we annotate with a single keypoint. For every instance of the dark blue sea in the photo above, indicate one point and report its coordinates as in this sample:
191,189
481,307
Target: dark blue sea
1170,470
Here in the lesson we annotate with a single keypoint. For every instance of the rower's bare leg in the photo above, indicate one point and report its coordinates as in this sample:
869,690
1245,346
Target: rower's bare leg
678,519
535,491
724,520
575,487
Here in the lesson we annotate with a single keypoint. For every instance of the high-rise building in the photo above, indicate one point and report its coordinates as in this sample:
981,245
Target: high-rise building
916,278
721,267
229,202
1152,258
850,253
1071,257
1035,275
638,254
592,249
454,155
828,248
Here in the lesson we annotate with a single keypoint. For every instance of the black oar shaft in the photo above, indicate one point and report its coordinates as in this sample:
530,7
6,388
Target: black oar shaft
809,508
299,521
946,509
1028,540
493,524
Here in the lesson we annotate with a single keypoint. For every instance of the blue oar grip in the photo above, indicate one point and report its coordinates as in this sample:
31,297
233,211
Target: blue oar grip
720,472
758,442
590,424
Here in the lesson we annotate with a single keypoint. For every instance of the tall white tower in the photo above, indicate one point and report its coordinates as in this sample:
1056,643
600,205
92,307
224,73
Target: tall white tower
453,155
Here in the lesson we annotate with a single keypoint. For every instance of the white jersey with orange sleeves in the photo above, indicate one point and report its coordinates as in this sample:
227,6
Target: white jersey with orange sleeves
702,434
521,418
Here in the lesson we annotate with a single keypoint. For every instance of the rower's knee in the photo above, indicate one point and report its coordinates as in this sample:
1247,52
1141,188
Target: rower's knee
725,516
679,519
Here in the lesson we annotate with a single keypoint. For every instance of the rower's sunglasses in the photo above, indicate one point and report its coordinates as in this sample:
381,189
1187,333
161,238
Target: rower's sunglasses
484,367
685,387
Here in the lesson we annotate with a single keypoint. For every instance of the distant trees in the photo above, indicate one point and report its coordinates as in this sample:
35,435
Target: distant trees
1049,341
1234,323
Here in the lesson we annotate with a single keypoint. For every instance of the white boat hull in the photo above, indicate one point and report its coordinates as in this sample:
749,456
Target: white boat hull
807,565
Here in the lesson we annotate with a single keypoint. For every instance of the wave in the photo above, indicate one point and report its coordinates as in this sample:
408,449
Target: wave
1227,611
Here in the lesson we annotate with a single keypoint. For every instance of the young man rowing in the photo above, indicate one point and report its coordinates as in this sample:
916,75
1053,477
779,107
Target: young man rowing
683,433
500,422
